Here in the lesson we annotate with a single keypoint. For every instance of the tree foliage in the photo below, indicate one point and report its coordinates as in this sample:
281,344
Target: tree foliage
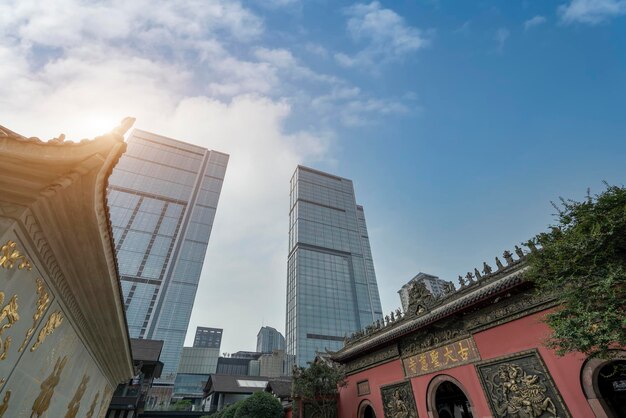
230,410
260,405
318,385
583,262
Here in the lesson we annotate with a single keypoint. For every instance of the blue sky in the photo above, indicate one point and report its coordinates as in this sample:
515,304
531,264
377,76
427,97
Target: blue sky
458,121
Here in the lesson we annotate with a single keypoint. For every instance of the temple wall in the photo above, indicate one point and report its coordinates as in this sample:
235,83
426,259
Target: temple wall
49,371
523,335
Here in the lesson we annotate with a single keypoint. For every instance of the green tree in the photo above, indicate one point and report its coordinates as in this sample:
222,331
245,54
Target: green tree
230,410
583,262
260,405
318,386
181,405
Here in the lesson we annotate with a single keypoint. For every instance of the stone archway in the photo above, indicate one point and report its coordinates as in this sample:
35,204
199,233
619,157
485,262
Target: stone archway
592,379
447,398
366,410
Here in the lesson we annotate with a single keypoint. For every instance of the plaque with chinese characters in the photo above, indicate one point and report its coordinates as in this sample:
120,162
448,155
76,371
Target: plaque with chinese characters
450,355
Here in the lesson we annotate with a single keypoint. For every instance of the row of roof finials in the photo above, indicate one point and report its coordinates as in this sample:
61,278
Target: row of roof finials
421,299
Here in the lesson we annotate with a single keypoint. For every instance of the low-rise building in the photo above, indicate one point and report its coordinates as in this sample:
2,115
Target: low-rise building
223,390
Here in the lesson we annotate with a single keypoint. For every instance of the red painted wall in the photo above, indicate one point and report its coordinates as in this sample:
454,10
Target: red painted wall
520,335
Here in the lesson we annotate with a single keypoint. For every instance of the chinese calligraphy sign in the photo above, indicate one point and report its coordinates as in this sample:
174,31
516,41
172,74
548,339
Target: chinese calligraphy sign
450,355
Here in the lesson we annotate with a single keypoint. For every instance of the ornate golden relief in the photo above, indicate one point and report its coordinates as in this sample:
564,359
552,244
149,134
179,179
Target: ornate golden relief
42,403
42,303
9,256
520,386
10,315
54,321
105,399
74,405
92,408
5,403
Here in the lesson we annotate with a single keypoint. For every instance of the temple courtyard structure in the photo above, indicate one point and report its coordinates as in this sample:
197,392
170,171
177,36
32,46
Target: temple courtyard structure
64,343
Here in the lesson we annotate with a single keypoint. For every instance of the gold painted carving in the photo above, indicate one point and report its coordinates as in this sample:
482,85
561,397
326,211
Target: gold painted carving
5,403
74,405
54,321
8,313
105,399
42,303
520,394
9,255
42,403
92,408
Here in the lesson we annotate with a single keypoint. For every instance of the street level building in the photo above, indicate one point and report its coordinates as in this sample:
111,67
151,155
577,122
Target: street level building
223,390
65,344
196,364
331,283
477,351
163,195
434,284
269,339
208,337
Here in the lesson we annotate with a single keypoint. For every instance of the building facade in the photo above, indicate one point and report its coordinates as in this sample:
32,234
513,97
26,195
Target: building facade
208,337
269,339
331,283
196,364
64,344
163,196
274,364
477,351
434,284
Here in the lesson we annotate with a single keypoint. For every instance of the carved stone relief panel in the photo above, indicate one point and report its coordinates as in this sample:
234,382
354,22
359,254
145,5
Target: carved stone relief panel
398,400
521,386
51,371
24,301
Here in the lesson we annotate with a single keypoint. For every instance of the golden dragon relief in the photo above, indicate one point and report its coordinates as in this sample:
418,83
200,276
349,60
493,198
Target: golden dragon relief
10,315
54,321
9,255
42,303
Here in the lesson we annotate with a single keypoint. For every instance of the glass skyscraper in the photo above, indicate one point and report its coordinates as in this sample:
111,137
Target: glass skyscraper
331,284
163,195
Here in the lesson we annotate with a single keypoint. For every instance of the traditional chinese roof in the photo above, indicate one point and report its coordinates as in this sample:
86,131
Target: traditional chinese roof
279,387
56,191
425,310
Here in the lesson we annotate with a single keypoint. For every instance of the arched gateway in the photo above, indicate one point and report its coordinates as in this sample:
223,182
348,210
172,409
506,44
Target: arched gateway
604,384
446,398
366,410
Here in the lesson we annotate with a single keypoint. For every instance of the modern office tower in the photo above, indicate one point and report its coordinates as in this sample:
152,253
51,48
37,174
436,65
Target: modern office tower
433,283
331,284
208,337
269,339
163,195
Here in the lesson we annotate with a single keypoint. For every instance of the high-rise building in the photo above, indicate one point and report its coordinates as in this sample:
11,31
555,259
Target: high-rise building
331,284
269,339
163,195
433,283
208,337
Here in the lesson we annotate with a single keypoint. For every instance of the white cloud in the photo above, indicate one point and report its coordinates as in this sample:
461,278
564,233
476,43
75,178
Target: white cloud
501,36
77,68
82,81
386,34
591,11
534,21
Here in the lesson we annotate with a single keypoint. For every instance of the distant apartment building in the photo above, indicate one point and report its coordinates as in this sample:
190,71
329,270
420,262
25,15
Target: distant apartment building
269,339
433,283
331,284
208,337
163,195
